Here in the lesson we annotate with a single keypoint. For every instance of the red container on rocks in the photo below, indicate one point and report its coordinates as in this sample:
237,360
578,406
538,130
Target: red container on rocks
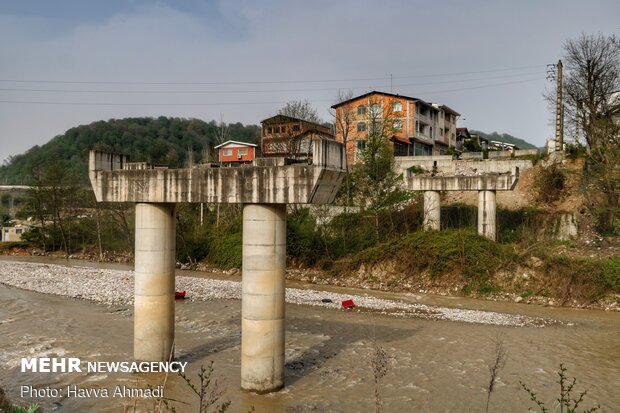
348,304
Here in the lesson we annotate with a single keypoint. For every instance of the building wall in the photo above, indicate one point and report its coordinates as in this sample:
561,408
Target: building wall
277,137
12,234
425,123
387,104
231,154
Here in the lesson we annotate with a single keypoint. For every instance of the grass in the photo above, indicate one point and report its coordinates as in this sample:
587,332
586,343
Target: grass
479,266
438,254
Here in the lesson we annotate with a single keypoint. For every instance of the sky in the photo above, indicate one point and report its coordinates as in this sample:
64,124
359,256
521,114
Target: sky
65,63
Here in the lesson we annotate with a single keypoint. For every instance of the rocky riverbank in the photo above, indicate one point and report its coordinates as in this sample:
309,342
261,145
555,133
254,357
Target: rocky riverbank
115,288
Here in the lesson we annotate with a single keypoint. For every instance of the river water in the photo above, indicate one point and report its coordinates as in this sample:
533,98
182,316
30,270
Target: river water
434,366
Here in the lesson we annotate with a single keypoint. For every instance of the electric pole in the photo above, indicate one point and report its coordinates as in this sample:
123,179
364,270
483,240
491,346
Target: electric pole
554,72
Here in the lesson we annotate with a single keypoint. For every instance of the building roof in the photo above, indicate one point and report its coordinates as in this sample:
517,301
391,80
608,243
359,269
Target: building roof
236,143
403,140
284,118
378,93
448,109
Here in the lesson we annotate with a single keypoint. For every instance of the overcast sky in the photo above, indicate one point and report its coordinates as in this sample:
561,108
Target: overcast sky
65,63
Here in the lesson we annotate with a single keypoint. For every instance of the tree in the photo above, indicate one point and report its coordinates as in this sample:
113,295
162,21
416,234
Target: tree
593,101
593,75
301,110
343,123
376,180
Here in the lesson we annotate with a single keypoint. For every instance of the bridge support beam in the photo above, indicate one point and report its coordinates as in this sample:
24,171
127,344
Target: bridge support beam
432,210
154,281
263,297
487,214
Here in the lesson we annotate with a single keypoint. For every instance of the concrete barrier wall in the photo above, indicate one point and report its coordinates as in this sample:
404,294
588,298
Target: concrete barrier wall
500,154
472,155
522,152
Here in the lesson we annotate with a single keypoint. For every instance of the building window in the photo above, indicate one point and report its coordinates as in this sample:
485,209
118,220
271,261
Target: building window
276,129
242,151
375,110
227,152
361,144
18,231
361,126
296,128
397,107
417,109
361,110
398,124
441,132
269,129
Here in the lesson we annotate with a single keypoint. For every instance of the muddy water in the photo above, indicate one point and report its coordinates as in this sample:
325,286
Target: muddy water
435,366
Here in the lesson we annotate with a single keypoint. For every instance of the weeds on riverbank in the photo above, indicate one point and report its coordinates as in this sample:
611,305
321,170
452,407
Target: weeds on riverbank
451,253
567,401
498,363
6,406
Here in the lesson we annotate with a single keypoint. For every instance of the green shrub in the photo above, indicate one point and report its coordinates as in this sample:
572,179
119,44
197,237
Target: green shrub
549,184
442,253
303,239
225,250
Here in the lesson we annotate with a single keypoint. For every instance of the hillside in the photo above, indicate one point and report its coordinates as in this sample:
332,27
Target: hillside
504,137
162,140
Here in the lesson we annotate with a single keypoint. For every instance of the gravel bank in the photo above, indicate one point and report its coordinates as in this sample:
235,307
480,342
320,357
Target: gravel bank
115,288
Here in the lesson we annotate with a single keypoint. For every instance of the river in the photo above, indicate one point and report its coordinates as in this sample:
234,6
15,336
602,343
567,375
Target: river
434,365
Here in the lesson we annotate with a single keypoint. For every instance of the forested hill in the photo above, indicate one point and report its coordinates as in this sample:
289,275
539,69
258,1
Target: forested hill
163,141
504,137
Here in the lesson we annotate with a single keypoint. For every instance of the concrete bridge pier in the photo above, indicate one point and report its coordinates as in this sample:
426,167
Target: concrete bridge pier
432,210
154,281
487,214
263,297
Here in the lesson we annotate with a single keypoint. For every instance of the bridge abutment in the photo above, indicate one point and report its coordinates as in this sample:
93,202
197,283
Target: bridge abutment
154,281
263,297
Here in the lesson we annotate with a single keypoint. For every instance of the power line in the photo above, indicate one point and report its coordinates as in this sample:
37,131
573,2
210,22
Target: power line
235,103
56,81
251,91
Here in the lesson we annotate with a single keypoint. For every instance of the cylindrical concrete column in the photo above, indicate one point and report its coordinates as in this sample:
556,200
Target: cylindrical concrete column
154,282
432,210
486,214
262,306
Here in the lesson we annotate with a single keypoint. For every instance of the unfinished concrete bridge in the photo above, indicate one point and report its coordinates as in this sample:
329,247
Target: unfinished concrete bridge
486,185
264,190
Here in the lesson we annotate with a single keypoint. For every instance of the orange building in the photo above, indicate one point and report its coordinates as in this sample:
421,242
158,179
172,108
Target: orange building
286,136
233,153
414,127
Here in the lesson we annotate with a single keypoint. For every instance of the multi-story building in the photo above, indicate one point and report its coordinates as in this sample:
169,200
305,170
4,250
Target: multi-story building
290,137
414,127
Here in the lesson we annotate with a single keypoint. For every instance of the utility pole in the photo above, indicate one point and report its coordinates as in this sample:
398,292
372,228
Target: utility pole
554,72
